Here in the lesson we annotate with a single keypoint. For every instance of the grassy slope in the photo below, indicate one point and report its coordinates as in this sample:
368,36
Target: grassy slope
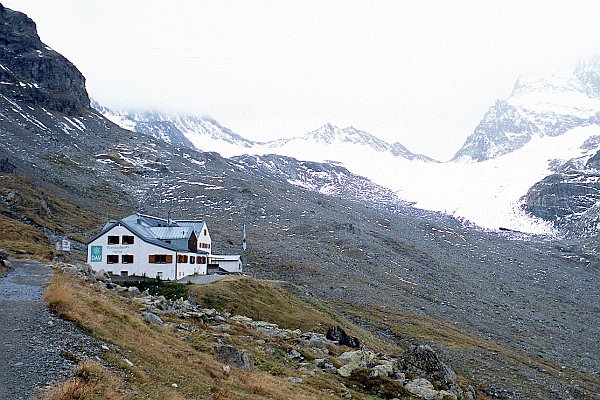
162,356
270,301
25,211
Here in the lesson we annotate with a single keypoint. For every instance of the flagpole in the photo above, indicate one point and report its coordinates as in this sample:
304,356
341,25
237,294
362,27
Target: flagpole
244,245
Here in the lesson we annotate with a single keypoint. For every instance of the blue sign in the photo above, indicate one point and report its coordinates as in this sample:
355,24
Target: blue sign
96,255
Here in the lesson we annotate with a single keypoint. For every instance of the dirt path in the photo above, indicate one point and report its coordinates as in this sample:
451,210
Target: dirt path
34,342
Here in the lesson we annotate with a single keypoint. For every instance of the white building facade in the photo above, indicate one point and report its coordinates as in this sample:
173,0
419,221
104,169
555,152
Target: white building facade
145,246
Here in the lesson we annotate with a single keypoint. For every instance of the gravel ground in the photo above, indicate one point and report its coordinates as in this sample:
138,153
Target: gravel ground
34,341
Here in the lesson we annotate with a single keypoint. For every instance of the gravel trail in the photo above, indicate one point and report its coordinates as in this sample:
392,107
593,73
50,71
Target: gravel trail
33,341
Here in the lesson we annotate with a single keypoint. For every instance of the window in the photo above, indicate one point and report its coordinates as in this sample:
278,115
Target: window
204,246
124,273
113,240
192,260
201,260
112,259
127,239
182,258
127,258
205,232
160,258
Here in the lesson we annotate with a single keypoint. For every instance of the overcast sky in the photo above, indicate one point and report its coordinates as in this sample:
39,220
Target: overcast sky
419,72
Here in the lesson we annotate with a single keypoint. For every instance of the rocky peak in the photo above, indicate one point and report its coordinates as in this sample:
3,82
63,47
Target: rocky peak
329,133
588,73
34,73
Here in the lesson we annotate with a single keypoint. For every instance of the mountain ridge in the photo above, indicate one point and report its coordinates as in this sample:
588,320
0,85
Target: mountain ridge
206,134
537,107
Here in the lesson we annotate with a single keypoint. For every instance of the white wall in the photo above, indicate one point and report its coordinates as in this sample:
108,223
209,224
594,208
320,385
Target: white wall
229,264
140,251
204,239
185,269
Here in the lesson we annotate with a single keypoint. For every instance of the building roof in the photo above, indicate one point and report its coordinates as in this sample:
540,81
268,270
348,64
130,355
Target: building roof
171,232
156,231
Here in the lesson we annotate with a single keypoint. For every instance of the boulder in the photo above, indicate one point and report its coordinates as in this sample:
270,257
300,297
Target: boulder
294,355
381,370
152,318
423,388
3,254
134,291
346,370
336,333
422,361
232,355
364,358
102,276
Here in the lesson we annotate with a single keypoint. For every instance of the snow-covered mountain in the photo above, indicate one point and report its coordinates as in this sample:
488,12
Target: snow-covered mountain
207,134
520,141
198,132
536,108
329,140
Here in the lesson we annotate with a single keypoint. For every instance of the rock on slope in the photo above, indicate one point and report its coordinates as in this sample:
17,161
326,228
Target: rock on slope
536,108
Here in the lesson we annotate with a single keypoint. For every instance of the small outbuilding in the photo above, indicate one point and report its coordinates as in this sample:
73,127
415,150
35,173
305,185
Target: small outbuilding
229,264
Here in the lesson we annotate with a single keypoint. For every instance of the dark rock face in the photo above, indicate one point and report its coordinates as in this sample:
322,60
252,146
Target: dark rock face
232,355
570,197
32,72
423,361
336,333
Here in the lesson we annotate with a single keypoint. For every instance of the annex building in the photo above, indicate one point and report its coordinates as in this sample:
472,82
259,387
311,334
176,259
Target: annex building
143,245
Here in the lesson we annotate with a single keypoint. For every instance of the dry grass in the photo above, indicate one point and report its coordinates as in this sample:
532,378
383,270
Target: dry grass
24,201
15,235
91,381
262,300
272,302
162,356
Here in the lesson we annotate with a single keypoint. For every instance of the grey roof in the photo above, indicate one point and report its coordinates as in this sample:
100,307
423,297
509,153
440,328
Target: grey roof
156,230
172,232
197,225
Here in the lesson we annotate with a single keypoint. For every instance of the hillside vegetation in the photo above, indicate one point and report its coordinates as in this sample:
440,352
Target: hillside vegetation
28,214
176,360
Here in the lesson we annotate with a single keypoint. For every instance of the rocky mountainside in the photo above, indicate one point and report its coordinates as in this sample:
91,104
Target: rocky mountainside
570,197
326,178
536,108
513,328
33,73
